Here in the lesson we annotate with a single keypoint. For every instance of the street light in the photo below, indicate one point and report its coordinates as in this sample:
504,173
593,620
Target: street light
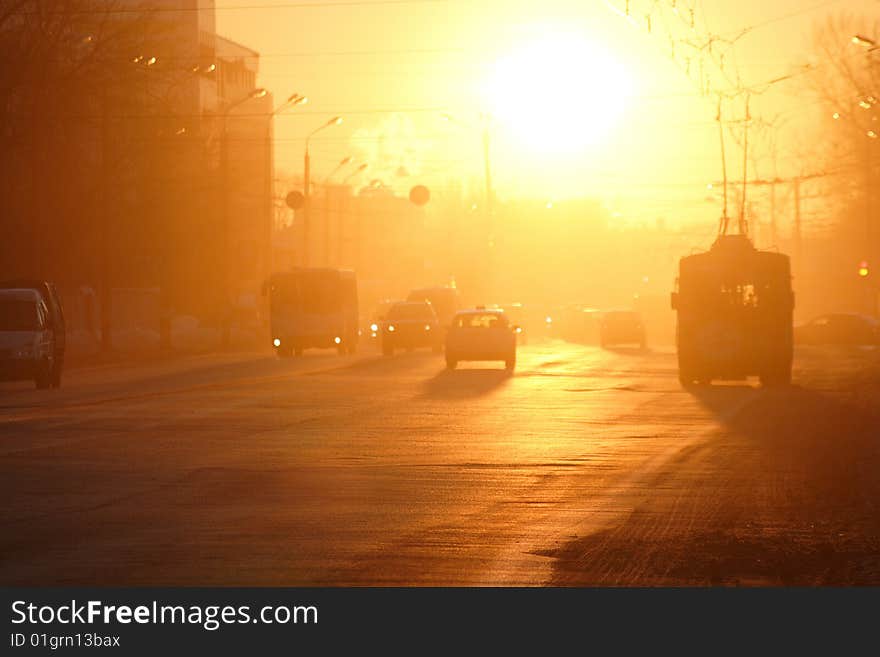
347,159
224,172
336,120
354,173
488,206
340,219
342,163
868,137
864,42
292,100
485,117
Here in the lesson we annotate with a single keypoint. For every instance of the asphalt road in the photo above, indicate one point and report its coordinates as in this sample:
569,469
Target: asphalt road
587,467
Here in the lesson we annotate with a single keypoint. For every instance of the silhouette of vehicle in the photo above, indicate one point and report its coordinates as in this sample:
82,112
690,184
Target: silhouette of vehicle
409,325
374,326
445,300
840,329
516,315
566,321
313,308
590,326
734,306
622,327
56,322
481,334
27,343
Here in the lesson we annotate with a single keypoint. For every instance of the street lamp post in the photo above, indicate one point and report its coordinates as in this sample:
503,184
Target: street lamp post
346,160
267,254
487,178
307,202
489,200
224,172
873,301
326,186
341,218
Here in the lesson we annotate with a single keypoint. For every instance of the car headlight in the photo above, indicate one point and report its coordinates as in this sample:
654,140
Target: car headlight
427,327
391,328
276,342
337,340
374,327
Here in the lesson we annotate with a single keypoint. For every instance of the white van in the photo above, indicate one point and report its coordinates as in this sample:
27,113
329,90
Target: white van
26,338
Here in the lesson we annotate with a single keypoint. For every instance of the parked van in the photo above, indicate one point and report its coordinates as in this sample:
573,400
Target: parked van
52,299
27,345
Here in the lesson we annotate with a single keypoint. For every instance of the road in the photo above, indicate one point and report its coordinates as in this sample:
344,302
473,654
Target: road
586,467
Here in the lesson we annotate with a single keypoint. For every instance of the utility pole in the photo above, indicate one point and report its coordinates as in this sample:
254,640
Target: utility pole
798,237
225,309
722,228
342,208
487,174
226,281
489,206
307,205
106,292
743,227
326,225
307,194
870,288
340,227
773,234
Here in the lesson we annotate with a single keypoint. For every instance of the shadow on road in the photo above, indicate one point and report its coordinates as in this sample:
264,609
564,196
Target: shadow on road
134,379
785,493
464,383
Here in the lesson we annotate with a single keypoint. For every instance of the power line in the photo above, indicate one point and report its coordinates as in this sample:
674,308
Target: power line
783,17
168,10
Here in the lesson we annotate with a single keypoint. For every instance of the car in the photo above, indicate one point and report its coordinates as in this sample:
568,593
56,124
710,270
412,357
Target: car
374,325
568,322
27,343
840,329
55,319
516,314
591,326
481,334
622,327
445,300
410,325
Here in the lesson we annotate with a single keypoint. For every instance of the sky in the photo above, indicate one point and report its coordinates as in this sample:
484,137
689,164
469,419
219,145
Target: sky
583,99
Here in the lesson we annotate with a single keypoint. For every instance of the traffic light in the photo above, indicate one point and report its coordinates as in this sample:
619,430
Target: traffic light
863,269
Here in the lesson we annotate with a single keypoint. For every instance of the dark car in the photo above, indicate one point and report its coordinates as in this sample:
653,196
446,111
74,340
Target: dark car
516,315
410,325
445,301
26,337
481,334
55,320
622,327
839,328
374,326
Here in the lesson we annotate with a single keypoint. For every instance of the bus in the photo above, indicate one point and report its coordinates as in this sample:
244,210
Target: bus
734,306
313,308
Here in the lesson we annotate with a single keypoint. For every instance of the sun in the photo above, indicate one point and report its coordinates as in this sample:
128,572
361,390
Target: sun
559,93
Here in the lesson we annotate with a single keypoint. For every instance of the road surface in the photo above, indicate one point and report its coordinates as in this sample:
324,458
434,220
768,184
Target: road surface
587,467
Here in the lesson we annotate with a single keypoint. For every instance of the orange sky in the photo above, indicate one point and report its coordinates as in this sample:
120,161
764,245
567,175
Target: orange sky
391,69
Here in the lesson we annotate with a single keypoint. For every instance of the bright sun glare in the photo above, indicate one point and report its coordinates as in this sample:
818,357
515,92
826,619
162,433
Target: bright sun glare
559,93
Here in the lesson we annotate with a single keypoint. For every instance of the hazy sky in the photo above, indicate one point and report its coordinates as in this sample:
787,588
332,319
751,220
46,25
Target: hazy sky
642,137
